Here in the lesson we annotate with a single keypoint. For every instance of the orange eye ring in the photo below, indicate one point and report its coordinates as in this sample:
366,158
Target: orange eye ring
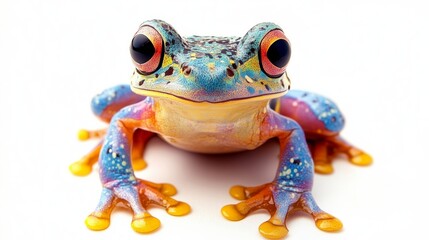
147,50
274,53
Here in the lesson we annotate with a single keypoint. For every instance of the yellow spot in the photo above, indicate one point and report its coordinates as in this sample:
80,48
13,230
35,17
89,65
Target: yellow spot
211,66
288,172
291,160
125,163
114,155
231,61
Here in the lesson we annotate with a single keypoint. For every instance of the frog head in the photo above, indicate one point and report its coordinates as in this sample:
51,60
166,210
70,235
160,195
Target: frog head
210,69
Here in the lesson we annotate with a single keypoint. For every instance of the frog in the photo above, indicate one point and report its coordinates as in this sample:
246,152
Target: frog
214,95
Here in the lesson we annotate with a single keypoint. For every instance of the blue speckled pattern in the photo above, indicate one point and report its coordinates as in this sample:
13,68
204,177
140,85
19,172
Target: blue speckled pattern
211,69
324,109
111,100
211,95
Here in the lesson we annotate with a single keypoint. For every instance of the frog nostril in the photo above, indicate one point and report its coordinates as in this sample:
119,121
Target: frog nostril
185,69
229,72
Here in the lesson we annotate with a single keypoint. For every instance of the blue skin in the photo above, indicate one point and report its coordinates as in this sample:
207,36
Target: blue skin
323,108
292,185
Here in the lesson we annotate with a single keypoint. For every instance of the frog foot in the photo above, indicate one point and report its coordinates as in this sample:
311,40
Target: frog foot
83,167
137,196
138,163
323,151
279,202
323,166
322,160
359,157
84,134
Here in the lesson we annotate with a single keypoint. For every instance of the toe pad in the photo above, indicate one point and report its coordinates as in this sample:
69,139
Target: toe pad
96,223
231,213
272,231
145,224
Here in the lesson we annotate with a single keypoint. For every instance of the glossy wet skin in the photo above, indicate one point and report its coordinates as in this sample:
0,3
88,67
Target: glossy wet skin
210,69
211,95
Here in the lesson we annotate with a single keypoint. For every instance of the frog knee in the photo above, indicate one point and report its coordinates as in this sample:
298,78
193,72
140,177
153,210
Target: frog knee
111,100
315,113
101,102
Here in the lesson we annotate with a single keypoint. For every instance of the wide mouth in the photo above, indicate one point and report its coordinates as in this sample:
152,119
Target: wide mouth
165,95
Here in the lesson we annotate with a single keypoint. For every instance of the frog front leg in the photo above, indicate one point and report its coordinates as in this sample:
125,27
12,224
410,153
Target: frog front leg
291,187
118,179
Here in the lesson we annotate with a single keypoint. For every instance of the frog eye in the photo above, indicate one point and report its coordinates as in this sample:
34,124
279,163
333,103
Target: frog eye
274,53
147,50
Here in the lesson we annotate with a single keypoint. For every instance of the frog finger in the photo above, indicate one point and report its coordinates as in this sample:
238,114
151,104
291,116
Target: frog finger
154,196
242,193
263,199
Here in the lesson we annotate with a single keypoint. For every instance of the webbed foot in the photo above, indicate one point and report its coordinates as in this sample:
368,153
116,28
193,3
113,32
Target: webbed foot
83,167
325,150
139,197
279,203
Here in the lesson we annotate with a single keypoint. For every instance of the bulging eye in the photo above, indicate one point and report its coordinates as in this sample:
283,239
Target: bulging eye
147,50
274,53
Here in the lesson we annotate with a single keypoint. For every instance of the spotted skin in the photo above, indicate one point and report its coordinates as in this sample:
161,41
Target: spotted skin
192,67
212,95
322,122
108,102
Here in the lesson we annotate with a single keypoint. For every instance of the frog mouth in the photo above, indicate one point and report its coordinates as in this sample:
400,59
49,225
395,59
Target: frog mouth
171,96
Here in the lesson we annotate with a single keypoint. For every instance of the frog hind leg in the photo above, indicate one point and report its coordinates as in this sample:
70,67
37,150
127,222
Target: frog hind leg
355,155
140,139
321,156
322,123
83,167
104,106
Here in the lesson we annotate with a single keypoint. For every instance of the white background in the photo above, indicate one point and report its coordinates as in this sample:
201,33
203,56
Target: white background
371,57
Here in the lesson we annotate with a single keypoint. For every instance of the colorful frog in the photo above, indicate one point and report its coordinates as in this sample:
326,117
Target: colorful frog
214,95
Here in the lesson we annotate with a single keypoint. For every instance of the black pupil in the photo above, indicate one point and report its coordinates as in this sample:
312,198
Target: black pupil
141,49
279,53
